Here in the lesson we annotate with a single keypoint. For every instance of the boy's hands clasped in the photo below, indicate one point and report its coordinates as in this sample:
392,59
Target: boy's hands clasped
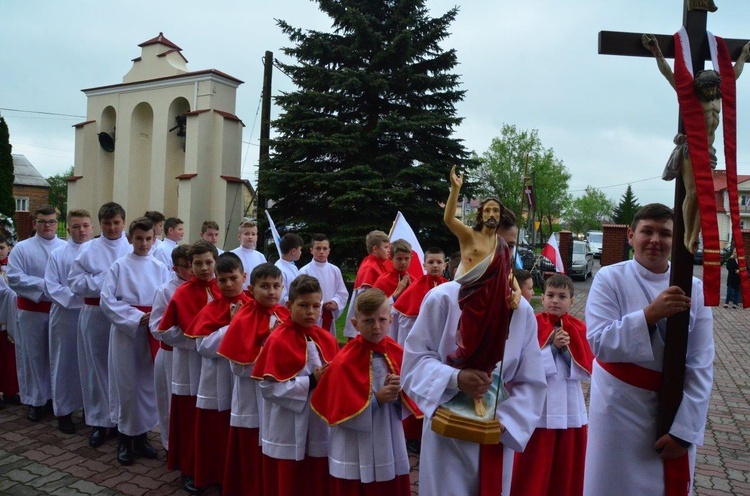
390,390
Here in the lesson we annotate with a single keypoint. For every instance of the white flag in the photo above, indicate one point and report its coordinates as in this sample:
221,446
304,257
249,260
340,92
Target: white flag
402,230
274,233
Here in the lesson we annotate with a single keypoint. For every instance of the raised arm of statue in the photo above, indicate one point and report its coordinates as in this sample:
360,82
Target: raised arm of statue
461,230
740,64
652,45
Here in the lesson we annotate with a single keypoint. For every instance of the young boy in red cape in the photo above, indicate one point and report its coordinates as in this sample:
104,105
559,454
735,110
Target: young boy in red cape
360,397
296,354
185,304
215,386
553,461
8,373
245,337
397,279
374,265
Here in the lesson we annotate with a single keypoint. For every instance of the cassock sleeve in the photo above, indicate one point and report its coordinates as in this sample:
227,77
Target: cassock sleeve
241,370
523,374
614,337
157,312
56,283
291,394
82,280
20,281
425,377
123,316
690,421
208,346
341,295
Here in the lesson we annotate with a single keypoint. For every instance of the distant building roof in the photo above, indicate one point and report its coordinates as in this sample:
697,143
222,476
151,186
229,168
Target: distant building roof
26,174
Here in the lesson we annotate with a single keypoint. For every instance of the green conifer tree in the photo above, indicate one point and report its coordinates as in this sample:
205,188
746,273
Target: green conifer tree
624,212
7,202
368,131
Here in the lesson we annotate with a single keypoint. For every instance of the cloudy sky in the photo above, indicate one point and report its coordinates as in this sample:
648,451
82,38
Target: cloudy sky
531,63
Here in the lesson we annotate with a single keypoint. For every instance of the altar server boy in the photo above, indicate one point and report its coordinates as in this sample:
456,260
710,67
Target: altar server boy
245,337
247,233
215,387
127,295
163,361
296,354
360,397
86,278
63,325
291,249
553,461
394,281
331,282
185,304
372,266
8,311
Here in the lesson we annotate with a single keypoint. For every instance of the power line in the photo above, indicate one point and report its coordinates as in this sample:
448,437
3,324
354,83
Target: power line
43,113
616,185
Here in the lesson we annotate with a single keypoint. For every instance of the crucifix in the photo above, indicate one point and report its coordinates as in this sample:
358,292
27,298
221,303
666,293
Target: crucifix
695,14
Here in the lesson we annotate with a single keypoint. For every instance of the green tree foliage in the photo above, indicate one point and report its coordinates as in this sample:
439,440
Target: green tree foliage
588,211
502,170
7,202
368,132
626,209
58,191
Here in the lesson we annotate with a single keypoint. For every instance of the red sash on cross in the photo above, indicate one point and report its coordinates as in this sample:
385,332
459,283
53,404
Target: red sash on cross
694,123
729,108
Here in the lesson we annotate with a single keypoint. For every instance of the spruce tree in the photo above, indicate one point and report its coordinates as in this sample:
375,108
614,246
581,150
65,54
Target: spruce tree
624,212
368,131
7,202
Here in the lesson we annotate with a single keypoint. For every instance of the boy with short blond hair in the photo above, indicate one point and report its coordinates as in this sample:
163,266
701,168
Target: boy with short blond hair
290,365
245,337
86,278
187,301
360,397
331,281
215,389
370,269
291,249
127,296
181,273
63,325
553,460
247,233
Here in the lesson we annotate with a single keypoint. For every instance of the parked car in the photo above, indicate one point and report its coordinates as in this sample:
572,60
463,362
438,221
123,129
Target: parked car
582,266
726,252
595,241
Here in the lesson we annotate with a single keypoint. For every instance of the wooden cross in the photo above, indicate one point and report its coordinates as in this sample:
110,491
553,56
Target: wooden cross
695,14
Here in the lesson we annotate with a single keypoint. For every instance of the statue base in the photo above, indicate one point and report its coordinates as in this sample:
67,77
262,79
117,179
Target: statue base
450,424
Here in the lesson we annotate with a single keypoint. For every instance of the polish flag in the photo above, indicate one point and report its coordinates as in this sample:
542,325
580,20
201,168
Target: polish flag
402,230
552,252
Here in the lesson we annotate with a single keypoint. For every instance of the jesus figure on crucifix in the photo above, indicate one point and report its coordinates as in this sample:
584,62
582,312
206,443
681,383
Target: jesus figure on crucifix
707,87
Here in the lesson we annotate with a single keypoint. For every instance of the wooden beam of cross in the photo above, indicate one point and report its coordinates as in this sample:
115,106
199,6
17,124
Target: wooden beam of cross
695,14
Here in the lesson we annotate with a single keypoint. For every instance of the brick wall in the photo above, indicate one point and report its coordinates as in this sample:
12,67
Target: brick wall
37,197
566,249
615,247
746,243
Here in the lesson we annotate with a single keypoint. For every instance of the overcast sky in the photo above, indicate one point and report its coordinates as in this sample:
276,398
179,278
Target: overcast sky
531,63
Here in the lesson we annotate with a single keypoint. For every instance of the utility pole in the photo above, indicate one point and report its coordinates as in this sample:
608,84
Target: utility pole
265,136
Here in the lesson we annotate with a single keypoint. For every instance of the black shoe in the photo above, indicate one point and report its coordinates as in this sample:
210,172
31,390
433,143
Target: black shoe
35,413
13,400
414,446
142,447
188,484
97,436
65,424
125,454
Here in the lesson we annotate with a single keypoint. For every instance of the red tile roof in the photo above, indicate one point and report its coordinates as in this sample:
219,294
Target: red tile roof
160,39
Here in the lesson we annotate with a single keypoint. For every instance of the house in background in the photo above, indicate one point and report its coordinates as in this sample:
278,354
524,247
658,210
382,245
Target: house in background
722,204
30,190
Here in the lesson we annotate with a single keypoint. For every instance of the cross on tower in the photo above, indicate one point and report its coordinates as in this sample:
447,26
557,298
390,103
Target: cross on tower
695,14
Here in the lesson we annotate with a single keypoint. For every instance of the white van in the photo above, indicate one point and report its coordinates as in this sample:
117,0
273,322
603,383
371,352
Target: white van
595,242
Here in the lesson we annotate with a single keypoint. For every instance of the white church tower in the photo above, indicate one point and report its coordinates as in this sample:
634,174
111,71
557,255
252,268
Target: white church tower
164,139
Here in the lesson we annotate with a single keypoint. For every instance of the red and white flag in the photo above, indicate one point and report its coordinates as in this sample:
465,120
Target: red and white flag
402,230
552,252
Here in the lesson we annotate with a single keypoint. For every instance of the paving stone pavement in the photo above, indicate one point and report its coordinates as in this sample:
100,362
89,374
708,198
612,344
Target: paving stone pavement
36,459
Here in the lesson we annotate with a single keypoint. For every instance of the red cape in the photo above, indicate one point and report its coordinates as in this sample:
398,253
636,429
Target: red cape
189,298
370,269
578,347
214,316
389,281
410,301
345,390
285,352
249,330
485,315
